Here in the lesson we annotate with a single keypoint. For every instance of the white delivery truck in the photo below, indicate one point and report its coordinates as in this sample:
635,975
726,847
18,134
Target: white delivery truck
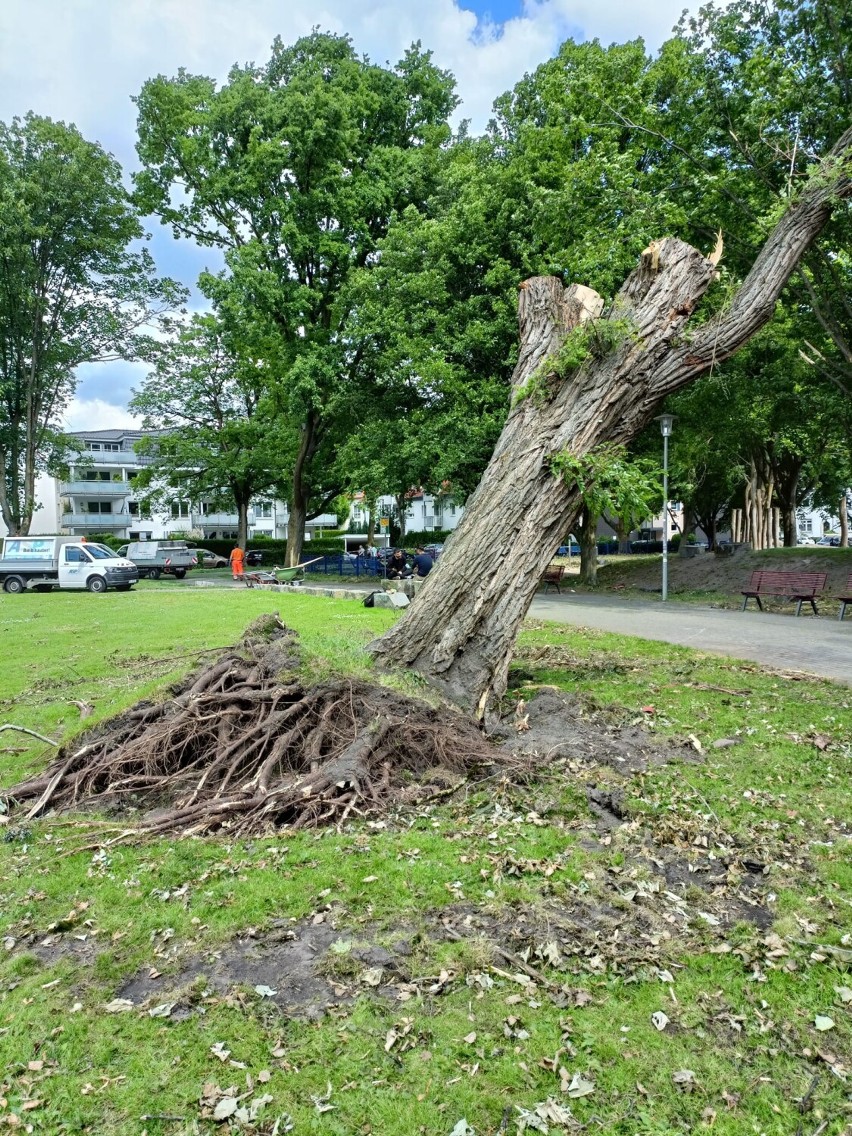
156,558
43,563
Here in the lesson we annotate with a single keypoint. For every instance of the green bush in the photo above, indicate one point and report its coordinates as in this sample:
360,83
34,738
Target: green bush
414,537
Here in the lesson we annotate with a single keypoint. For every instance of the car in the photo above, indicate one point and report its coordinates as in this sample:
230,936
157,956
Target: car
829,541
434,550
207,558
254,557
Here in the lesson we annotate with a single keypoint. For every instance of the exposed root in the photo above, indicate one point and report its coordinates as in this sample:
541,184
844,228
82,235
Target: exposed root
242,746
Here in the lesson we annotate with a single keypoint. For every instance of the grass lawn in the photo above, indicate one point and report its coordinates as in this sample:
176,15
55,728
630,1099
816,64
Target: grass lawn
497,961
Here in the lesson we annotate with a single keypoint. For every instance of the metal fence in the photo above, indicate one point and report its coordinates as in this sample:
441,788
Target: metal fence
340,565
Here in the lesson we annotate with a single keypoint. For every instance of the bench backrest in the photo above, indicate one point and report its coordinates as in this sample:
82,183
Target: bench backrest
798,583
553,574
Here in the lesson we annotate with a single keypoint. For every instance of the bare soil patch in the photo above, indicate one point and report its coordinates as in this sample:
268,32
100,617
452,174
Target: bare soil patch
727,574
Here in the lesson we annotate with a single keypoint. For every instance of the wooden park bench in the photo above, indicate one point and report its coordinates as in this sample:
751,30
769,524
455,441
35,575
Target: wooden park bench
847,599
798,586
552,577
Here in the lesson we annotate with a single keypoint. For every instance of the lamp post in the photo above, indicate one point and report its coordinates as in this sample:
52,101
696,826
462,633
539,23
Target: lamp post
666,422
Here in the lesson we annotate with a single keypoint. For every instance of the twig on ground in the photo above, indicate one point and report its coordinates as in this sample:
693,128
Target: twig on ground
32,733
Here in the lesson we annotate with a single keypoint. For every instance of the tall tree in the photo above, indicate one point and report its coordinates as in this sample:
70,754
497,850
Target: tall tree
72,291
294,169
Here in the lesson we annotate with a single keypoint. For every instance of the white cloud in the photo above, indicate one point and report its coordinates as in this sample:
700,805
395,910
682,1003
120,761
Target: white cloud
97,414
82,61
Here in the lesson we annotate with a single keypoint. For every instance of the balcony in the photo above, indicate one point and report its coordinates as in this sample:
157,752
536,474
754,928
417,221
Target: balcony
95,488
216,520
111,457
97,522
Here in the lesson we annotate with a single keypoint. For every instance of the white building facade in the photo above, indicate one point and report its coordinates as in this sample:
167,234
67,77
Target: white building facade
98,496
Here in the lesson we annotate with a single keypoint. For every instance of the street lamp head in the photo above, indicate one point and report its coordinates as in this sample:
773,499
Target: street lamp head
666,422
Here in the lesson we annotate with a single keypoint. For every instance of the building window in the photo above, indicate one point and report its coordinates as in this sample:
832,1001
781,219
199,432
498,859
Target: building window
809,524
99,506
112,447
180,508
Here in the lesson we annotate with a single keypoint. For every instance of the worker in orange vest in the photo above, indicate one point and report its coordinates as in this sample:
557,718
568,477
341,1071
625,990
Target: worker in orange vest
237,562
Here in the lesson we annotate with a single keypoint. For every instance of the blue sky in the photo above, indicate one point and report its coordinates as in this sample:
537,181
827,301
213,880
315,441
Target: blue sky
83,60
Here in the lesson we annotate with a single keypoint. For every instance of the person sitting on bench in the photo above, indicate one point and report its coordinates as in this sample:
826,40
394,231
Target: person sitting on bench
398,566
423,562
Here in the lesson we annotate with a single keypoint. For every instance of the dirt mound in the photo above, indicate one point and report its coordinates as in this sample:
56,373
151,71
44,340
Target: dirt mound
729,574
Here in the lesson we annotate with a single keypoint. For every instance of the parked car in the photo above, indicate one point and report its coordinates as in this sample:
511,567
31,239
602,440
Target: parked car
434,550
207,558
254,557
829,541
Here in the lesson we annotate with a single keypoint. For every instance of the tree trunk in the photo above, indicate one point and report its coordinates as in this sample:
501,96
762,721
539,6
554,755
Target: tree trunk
589,548
401,509
690,520
461,630
759,491
298,504
787,474
844,519
242,523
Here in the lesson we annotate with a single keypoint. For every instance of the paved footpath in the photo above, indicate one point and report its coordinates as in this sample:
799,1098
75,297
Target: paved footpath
816,646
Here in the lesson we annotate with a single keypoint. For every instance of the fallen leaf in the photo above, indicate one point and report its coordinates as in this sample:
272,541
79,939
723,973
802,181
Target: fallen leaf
373,976
119,1006
844,992
219,1050
823,1023
684,1079
226,1107
462,1129
265,991
659,1020
470,1038
164,1010
580,1087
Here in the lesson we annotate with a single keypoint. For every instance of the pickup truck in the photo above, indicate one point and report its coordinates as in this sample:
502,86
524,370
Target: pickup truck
156,558
43,563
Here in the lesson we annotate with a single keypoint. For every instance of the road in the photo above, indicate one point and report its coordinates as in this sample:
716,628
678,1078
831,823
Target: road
815,646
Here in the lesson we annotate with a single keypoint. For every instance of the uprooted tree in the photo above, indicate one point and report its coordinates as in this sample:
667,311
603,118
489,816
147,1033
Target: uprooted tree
243,744
585,377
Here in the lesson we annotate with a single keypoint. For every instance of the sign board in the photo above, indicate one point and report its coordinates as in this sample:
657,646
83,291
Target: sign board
384,522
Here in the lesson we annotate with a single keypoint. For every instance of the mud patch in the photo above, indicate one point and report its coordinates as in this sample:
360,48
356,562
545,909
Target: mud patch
308,968
555,725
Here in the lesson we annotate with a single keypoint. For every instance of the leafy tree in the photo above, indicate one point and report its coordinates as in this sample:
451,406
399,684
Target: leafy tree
610,483
217,439
294,169
72,291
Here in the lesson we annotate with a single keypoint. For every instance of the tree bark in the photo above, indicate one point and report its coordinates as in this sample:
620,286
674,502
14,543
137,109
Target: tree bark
461,630
843,512
589,548
298,505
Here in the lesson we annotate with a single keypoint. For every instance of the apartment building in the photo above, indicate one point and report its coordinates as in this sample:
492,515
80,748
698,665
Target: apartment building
98,496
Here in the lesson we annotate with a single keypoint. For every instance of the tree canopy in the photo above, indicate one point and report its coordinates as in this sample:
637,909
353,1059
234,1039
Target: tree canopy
294,169
73,289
